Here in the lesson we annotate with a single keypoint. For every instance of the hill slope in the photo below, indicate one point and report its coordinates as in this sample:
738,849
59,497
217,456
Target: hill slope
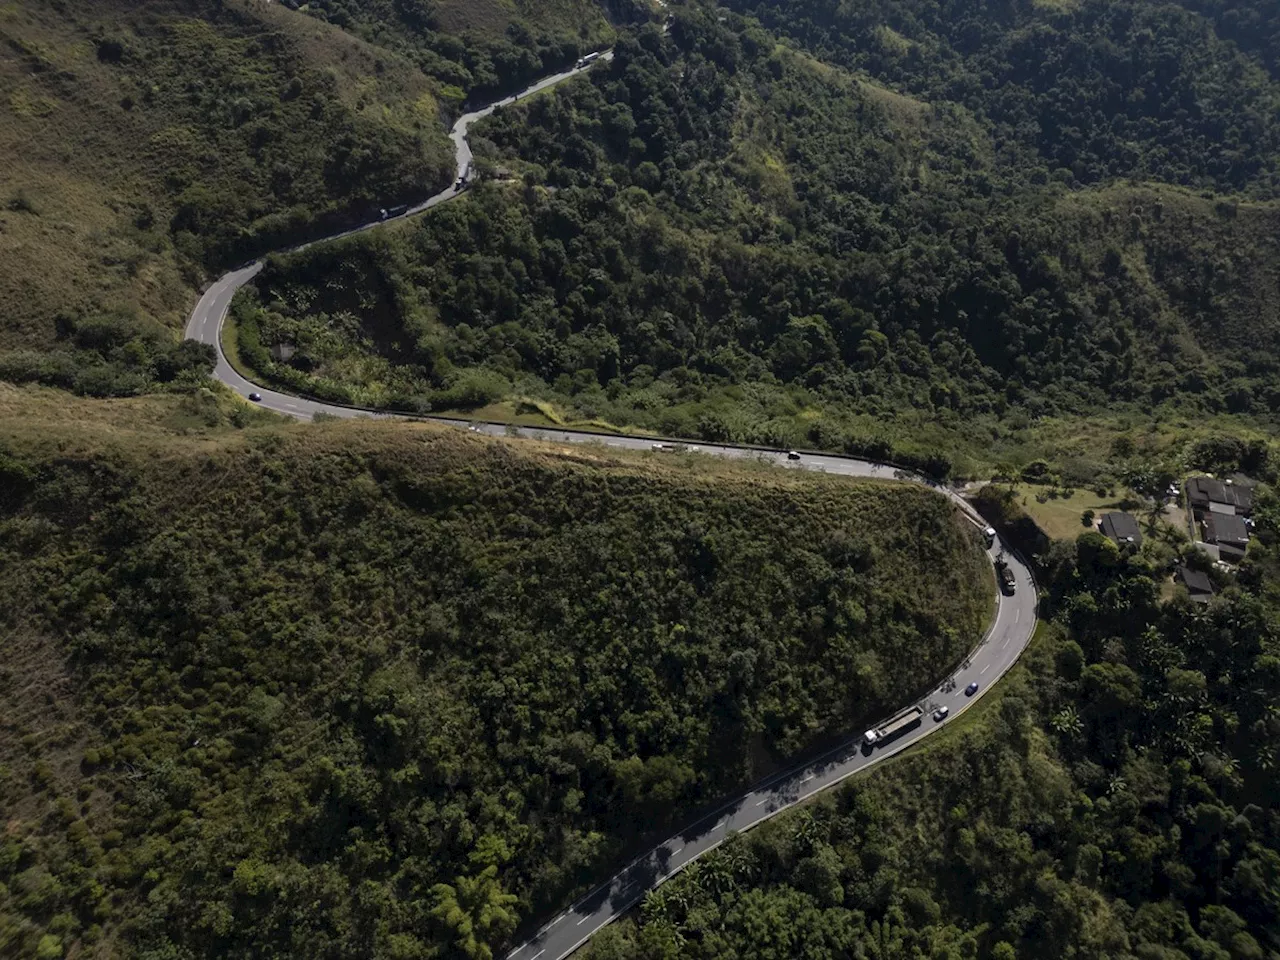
1111,800
154,141
294,679
719,236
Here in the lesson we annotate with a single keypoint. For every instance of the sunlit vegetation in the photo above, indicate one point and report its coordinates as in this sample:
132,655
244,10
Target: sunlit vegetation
148,145
385,691
720,237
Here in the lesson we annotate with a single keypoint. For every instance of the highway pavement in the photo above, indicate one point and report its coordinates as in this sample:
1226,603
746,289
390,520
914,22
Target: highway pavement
1007,637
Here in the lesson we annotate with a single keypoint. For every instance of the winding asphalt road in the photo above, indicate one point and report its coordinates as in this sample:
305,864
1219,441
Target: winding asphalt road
1007,637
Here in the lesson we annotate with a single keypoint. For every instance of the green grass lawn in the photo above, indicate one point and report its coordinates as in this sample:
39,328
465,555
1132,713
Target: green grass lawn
1060,518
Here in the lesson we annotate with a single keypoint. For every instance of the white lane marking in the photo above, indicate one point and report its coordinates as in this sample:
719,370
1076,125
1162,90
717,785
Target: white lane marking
578,924
539,953
720,824
759,802
676,850
985,669
556,920
1017,616
808,778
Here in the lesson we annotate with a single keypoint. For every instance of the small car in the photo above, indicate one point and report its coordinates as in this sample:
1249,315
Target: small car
792,455
941,714
971,689
255,397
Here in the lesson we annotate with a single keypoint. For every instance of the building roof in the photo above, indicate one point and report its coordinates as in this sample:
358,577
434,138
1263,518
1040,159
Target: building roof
1196,581
1228,530
1122,528
1202,491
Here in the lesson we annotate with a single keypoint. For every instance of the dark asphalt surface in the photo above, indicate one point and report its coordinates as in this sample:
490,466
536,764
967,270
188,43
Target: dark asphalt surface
1007,637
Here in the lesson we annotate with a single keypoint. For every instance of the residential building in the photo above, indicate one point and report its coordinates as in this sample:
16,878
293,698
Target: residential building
1229,533
1121,527
1229,497
1198,584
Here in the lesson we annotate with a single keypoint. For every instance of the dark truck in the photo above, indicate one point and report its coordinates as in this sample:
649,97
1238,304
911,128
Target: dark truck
1005,575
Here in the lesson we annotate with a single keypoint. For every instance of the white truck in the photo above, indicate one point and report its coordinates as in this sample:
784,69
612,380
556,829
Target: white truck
891,728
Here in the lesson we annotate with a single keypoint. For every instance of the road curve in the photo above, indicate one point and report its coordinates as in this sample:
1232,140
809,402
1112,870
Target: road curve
1007,637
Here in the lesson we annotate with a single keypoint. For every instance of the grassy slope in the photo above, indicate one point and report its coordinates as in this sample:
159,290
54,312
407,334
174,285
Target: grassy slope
87,198
347,575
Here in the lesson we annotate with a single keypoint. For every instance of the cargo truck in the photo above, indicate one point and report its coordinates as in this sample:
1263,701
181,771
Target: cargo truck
1007,582
903,721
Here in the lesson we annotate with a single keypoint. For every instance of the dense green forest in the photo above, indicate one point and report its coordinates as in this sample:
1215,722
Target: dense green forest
287,692
718,236
481,48
1114,799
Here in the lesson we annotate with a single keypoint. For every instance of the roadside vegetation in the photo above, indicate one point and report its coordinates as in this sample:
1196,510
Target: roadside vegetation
719,235
348,689
1113,799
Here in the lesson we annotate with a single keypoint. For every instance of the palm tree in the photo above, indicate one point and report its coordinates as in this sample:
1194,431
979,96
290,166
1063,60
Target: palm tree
477,910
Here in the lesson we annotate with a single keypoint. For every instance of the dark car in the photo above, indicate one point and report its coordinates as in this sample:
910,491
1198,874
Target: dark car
255,397
971,689
792,455
941,714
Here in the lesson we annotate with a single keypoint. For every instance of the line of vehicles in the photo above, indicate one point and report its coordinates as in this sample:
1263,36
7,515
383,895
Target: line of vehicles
911,717
1004,573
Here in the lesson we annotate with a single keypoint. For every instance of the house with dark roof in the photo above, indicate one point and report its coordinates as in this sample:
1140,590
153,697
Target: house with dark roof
1229,533
1226,497
1198,584
1121,527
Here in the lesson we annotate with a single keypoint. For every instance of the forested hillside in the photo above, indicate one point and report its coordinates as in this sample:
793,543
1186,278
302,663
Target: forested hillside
150,143
349,690
1115,799
723,237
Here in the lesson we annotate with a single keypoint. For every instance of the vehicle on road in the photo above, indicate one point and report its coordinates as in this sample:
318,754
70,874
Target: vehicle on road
891,728
989,536
793,455
971,689
589,59
1005,574
662,447
941,714
255,397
